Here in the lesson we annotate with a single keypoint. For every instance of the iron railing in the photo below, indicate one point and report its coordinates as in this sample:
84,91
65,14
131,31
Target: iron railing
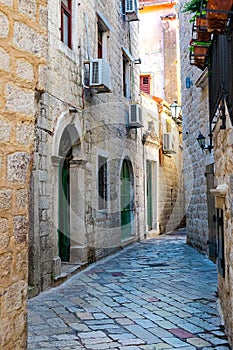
221,76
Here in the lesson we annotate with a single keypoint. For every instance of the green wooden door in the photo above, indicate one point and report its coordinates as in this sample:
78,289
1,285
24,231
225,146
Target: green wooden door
149,193
64,212
125,202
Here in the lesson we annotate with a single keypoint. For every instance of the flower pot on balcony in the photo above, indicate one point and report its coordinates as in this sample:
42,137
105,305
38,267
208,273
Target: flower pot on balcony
199,54
201,28
216,20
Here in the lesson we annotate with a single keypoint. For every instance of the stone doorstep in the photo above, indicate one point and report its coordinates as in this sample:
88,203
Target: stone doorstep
68,270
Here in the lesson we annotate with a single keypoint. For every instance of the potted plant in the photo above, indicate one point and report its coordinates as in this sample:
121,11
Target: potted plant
200,26
199,18
199,53
216,21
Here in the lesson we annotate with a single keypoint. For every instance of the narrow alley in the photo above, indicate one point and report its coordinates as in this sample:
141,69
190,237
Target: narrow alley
156,294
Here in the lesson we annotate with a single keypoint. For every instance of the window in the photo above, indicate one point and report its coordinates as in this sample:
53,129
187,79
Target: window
100,41
102,182
126,77
145,83
66,25
103,30
123,6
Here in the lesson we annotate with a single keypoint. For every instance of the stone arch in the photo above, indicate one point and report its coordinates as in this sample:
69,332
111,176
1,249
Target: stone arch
69,175
126,198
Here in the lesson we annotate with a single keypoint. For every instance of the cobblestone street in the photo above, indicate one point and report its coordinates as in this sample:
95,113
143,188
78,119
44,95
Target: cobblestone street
156,294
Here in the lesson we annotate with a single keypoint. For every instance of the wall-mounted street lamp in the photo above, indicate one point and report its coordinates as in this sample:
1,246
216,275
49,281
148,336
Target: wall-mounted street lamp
201,141
175,110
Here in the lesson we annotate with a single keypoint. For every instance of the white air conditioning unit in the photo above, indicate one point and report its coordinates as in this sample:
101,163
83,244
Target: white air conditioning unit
131,10
100,75
168,143
135,116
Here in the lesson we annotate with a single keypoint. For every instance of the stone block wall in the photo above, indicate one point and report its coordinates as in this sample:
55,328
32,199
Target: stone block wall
223,141
22,59
97,125
195,120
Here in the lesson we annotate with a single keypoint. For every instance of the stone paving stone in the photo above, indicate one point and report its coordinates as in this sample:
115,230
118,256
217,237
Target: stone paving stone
124,321
175,342
99,316
79,327
88,335
56,322
102,340
191,328
165,324
144,323
199,343
129,298
158,346
153,317
180,333
213,339
143,334
133,341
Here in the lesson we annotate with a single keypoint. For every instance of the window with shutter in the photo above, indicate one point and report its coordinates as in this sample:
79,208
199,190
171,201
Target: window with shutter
145,83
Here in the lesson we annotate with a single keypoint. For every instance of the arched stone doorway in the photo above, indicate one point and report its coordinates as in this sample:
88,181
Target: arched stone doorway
69,194
127,199
65,152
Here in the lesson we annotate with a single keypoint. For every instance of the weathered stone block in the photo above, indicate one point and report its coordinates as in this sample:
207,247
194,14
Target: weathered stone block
5,198
27,39
17,166
5,130
20,229
24,70
4,25
25,133
15,296
43,16
6,266
19,100
42,78
4,231
4,60
21,263
28,8
6,331
43,175
7,2
22,199
20,323
56,266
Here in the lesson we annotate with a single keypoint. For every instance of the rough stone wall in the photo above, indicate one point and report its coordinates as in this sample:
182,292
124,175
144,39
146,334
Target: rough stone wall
223,141
195,120
22,61
171,91
171,190
99,121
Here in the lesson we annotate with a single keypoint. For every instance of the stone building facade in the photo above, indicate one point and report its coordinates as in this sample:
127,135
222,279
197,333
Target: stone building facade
88,184
207,109
23,42
159,51
87,180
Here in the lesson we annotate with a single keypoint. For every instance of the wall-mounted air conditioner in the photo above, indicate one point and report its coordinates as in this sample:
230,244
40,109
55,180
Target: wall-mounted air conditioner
100,75
168,143
135,116
131,10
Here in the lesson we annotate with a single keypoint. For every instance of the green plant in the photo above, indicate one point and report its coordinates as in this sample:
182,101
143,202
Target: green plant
201,43
193,6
